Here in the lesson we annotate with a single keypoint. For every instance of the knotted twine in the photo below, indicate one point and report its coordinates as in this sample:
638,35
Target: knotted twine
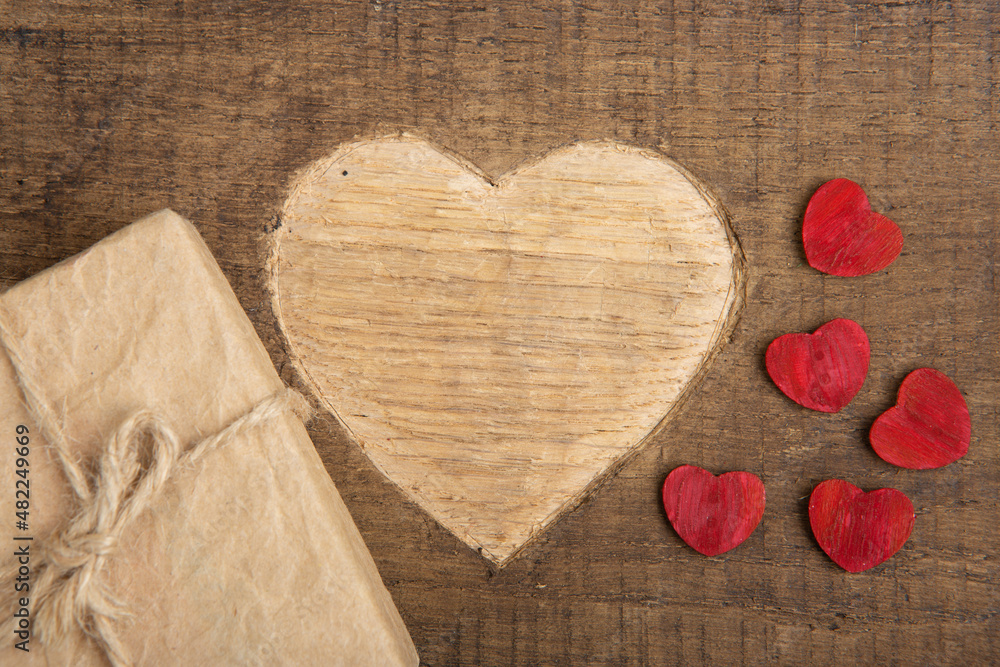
70,594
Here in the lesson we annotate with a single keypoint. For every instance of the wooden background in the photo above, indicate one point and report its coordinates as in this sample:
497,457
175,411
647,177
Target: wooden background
109,111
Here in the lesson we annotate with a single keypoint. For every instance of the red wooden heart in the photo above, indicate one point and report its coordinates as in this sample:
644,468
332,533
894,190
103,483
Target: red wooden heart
823,370
843,236
928,428
859,530
713,514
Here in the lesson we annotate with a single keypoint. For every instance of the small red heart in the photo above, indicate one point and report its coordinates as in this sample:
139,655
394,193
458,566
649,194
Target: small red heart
928,428
843,236
823,370
713,514
859,530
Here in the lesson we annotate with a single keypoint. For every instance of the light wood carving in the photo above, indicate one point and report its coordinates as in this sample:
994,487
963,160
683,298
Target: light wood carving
497,347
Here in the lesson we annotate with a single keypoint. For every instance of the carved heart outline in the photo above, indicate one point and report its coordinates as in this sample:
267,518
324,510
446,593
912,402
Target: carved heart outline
463,174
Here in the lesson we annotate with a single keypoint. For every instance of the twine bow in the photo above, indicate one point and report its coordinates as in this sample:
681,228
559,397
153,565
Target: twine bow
69,592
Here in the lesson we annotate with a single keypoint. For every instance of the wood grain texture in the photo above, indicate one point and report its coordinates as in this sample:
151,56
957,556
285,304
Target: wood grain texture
110,111
498,347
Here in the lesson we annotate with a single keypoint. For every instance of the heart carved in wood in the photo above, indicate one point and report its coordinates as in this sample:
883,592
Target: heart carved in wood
497,347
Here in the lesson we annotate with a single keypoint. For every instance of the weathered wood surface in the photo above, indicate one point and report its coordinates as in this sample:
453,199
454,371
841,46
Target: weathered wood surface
110,111
499,348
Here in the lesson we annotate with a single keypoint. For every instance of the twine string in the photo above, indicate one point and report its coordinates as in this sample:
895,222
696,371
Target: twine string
69,593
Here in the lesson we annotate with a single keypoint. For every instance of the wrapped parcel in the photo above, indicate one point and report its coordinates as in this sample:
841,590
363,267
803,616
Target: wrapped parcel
176,512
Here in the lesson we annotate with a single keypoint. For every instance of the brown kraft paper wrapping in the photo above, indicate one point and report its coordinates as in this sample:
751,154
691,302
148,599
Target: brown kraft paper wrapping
247,555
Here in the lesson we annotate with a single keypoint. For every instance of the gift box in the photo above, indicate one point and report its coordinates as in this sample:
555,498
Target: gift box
163,502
